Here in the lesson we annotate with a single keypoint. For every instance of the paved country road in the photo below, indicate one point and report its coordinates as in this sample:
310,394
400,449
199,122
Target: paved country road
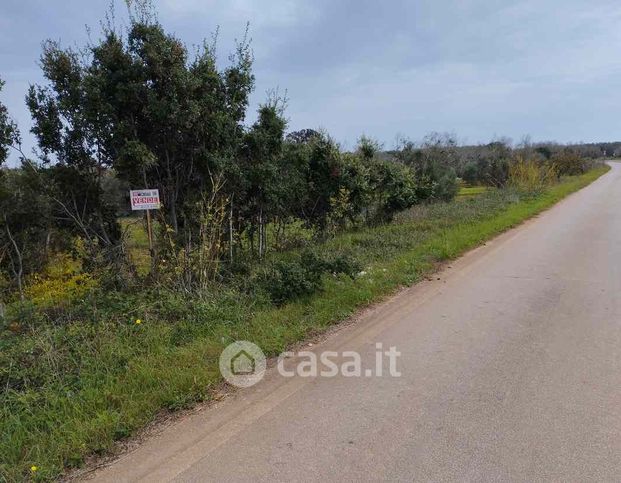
511,371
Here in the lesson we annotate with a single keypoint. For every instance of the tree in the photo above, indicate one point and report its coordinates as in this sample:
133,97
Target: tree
24,212
73,134
471,173
302,136
321,165
261,158
367,147
9,134
26,224
434,166
393,187
138,103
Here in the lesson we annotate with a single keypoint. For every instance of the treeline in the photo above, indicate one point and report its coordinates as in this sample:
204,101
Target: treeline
490,164
136,109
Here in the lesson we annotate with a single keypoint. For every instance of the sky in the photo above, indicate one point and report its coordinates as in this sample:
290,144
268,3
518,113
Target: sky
550,69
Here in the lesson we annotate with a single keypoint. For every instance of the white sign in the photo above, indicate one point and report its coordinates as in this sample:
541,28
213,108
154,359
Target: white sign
145,199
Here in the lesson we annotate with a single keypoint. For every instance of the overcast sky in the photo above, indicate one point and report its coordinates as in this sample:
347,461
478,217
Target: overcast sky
479,69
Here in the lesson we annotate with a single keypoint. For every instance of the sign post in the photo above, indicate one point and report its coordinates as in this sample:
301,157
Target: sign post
147,199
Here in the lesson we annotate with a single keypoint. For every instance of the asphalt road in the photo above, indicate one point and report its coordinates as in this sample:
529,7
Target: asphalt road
510,371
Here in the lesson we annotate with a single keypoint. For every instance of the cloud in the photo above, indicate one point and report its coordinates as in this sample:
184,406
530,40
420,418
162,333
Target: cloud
479,67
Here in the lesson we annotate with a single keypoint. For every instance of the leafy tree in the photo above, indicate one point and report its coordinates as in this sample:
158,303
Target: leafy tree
261,158
303,136
72,133
367,147
355,196
25,224
393,187
140,104
568,162
433,166
471,173
182,125
9,134
24,211
322,169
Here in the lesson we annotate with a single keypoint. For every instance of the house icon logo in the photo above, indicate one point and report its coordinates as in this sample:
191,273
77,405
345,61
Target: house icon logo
242,363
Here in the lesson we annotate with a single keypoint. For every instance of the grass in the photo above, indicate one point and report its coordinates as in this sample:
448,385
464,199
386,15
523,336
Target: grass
466,192
78,380
137,242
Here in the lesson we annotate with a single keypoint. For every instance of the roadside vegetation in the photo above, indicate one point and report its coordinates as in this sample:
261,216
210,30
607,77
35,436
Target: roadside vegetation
264,235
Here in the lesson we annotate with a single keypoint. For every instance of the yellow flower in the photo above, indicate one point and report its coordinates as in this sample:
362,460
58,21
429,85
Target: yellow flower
34,468
138,321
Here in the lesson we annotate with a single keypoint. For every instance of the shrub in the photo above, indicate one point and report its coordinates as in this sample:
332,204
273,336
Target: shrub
446,186
394,188
497,173
60,283
570,163
471,173
342,264
287,280
531,176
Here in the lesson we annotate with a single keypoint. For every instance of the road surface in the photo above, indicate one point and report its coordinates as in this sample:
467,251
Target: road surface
510,371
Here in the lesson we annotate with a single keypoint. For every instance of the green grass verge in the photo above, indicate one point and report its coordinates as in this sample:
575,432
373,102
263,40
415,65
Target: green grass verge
78,380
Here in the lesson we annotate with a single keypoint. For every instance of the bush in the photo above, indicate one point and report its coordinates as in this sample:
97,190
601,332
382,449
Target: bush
342,264
531,176
446,186
486,170
570,163
497,173
287,280
471,173
394,188
60,283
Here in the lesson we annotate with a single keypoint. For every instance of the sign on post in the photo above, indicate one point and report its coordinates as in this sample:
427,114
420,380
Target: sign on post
145,199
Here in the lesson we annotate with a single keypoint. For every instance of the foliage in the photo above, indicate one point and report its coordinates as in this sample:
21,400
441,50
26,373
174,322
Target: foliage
570,163
59,284
9,134
368,148
287,280
393,188
302,136
70,125
529,175
25,225
139,104
254,239
193,266
75,382
433,166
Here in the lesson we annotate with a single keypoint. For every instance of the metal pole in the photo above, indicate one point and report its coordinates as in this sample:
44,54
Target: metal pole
150,233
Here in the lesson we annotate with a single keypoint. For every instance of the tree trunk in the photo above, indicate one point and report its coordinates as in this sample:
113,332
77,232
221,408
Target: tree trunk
261,233
19,270
231,231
